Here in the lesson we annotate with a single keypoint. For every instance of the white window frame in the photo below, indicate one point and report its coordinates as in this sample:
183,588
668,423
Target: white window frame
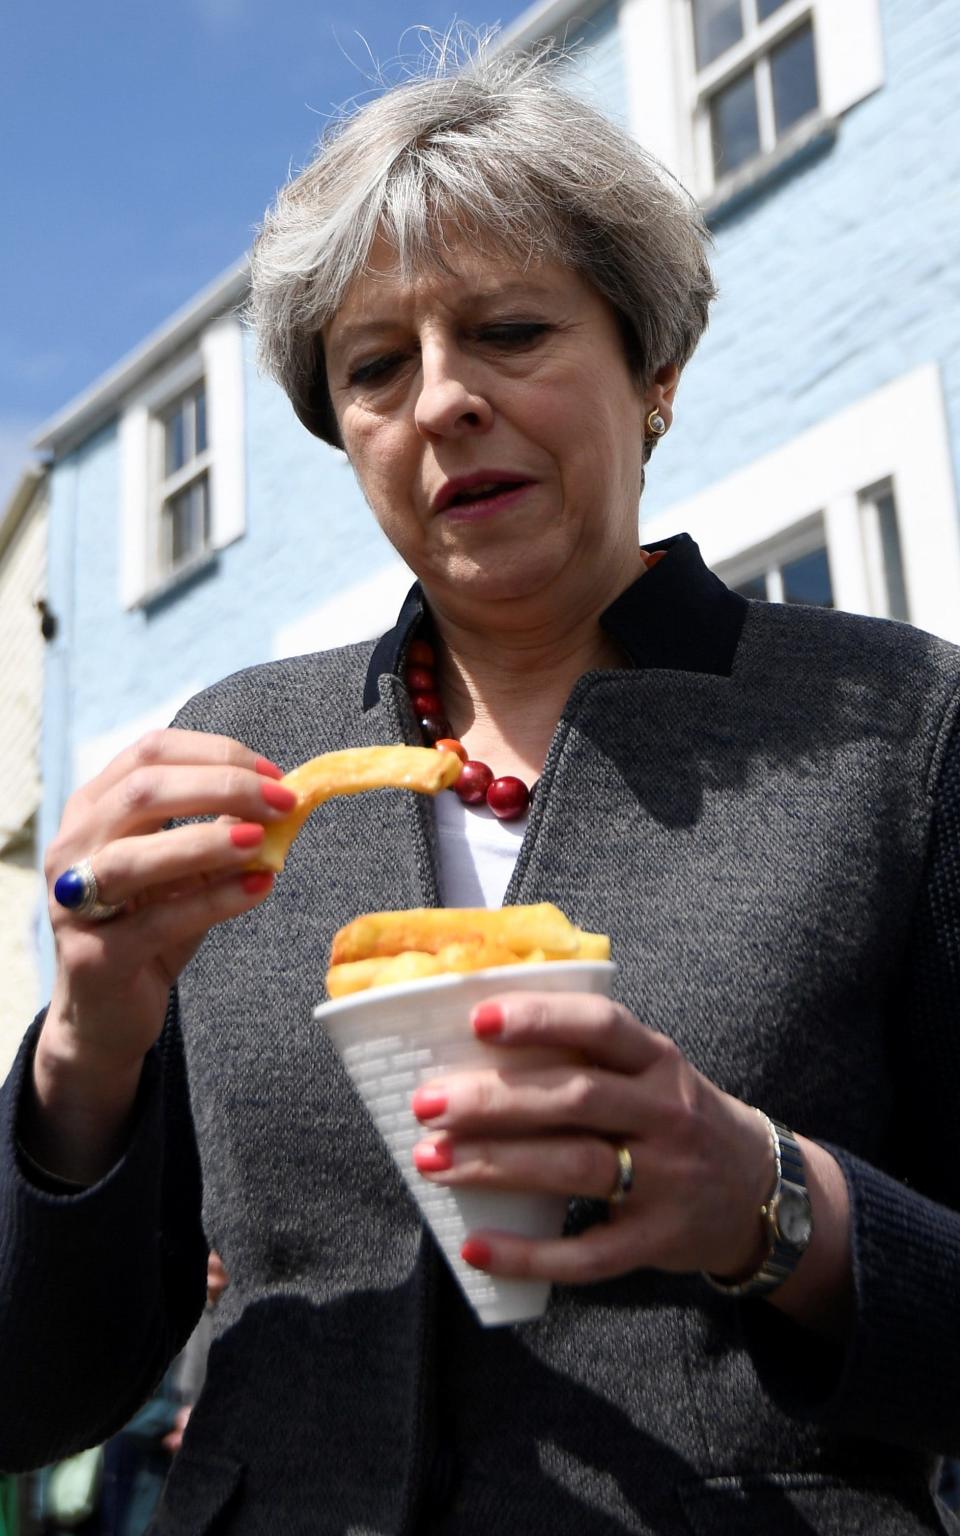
899,435
669,97
876,567
166,487
216,360
752,52
767,560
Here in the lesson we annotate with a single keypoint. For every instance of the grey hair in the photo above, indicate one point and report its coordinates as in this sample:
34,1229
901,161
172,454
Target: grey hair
494,144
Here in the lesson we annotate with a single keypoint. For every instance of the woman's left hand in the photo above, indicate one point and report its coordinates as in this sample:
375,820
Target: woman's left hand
702,1160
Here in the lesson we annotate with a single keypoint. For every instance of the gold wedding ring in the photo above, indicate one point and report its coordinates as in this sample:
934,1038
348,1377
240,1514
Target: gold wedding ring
624,1182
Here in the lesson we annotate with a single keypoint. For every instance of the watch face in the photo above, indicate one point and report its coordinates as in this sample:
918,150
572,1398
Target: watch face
793,1216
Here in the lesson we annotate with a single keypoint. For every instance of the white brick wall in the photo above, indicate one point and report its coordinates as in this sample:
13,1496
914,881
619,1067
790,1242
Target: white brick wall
19,995
22,578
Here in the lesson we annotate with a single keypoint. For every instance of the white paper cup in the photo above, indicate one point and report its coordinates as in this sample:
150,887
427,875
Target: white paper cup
392,1039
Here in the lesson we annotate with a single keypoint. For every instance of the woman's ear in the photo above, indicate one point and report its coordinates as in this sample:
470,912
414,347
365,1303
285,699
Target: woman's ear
660,394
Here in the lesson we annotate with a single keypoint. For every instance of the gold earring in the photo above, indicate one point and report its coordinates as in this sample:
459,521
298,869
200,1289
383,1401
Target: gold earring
656,425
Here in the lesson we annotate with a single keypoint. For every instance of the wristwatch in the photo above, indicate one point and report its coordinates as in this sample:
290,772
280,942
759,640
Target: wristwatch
787,1218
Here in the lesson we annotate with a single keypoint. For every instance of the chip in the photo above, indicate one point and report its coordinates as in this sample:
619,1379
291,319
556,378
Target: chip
349,773
541,926
413,964
382,948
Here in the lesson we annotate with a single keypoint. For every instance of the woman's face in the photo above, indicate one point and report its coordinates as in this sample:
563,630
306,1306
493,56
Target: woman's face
493,424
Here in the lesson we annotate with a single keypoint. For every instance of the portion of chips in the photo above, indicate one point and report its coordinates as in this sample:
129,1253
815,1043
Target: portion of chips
382,948
347,773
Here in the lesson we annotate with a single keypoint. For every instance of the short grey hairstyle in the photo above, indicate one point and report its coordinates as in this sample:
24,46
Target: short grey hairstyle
497,146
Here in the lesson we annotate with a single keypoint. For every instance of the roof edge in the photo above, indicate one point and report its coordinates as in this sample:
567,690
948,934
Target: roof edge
542,19
89,410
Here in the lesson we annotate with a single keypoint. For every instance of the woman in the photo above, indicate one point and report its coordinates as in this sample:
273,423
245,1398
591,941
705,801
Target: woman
485,294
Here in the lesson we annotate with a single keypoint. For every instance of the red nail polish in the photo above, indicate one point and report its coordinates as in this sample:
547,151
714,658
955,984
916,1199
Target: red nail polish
278,796
246,834
258,881
428,1104
476,1253
270,770
433,1156
488,1020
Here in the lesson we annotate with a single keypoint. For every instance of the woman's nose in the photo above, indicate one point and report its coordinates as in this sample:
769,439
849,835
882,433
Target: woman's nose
451,401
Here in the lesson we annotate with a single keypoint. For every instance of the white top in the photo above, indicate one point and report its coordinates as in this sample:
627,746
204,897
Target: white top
477,852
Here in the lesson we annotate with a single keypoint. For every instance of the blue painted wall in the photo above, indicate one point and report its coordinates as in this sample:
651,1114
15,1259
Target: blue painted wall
596,68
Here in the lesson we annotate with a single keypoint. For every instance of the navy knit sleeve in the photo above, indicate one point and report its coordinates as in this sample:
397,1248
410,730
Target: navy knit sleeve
99,1288
897,1379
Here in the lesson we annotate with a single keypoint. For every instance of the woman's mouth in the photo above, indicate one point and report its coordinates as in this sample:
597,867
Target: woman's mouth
476,497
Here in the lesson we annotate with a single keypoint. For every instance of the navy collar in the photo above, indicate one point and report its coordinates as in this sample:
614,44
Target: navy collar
677,615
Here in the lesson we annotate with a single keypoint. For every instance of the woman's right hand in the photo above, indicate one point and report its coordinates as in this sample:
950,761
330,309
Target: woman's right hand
113,978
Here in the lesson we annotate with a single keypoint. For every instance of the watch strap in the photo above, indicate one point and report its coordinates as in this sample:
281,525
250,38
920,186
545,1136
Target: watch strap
782,1257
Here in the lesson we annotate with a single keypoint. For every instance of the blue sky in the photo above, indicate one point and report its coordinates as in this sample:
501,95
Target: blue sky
140,146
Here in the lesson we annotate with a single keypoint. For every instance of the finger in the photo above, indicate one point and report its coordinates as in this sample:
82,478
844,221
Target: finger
175,746
572,1096
605,1031
162,936
601,1253
148,797
167,919
160,926
130,867
585,1166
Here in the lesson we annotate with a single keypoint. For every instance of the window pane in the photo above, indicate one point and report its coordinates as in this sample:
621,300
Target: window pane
188,523
755,587
175,441
734,125
897,606
766,8
793,70
179,509
177,512
717,25
807,580
201,408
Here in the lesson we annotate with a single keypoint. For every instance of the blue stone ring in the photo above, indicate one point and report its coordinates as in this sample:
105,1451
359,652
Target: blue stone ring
76,889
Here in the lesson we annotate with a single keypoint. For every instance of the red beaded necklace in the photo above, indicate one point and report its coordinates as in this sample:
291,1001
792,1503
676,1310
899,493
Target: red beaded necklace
508,797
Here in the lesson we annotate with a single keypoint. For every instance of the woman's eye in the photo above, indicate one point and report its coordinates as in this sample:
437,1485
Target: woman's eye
374,369
514,333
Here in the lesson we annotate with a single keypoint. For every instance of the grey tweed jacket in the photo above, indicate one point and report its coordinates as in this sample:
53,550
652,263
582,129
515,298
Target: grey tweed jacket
757,812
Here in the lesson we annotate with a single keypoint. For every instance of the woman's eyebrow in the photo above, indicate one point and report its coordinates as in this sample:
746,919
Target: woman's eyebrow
522,289
348,333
